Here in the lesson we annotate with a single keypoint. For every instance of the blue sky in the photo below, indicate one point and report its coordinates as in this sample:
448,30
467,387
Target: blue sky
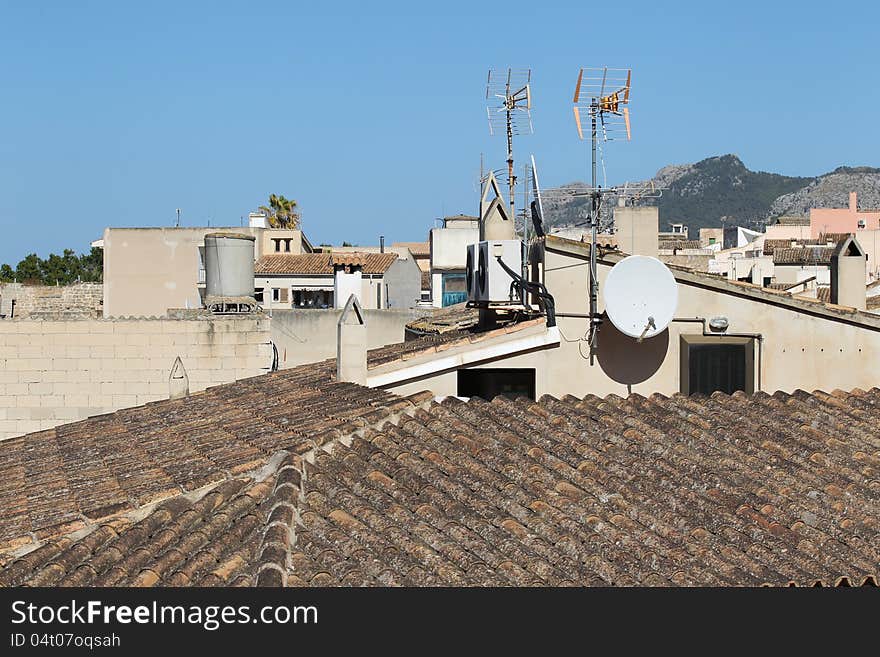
372,115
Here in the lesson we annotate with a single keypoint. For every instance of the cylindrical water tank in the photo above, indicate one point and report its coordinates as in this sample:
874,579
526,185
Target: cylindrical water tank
229,265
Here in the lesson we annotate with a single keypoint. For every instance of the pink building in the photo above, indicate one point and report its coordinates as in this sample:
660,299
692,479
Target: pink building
843,220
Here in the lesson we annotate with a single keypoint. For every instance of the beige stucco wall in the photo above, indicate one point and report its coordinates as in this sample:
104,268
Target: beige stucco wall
785,232
799,349
636,230
52,372
149,270
307,336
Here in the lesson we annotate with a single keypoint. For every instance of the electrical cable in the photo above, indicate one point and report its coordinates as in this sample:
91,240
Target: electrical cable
538,289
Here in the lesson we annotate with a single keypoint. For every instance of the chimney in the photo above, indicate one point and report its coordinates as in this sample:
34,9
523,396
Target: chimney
346,283
351,344
178,380
381,244
853,202
848,276
636,229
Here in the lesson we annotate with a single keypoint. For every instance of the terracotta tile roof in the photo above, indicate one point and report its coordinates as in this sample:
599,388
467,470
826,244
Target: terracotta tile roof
826,239
64,478
771,245
678,244
322,263
810,255
416,248
790,220
833,238
823,294
720,490
450,318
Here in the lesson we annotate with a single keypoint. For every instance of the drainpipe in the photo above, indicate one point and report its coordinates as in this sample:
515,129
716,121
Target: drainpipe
755,336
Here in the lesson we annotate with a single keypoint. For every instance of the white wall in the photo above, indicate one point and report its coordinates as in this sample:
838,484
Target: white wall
449,246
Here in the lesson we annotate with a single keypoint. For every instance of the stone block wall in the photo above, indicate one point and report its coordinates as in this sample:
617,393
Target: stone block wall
54,372
78,301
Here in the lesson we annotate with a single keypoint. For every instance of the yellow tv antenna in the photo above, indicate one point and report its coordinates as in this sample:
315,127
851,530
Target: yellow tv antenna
601,99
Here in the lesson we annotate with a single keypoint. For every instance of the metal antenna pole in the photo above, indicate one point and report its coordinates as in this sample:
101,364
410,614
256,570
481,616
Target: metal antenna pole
594,221
525,247
510,176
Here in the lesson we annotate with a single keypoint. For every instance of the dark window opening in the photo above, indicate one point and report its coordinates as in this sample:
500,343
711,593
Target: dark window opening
489,383
287,246
312,298
277,244
716,365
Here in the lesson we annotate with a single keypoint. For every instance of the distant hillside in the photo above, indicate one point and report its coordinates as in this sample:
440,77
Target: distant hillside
700,194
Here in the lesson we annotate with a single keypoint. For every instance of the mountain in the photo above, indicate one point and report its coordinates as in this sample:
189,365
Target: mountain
701,194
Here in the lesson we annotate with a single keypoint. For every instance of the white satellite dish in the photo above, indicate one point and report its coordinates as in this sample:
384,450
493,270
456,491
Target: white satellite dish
641,296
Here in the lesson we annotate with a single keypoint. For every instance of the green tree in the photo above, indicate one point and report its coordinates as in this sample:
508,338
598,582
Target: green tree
30,270
58,269
282,212
92,266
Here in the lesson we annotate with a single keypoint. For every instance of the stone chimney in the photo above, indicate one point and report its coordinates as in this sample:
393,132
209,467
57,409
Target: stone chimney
636,229
848,275
351,343
853,202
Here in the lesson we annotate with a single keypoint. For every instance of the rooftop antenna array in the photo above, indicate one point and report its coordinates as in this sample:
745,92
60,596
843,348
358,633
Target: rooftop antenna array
508,108
601,99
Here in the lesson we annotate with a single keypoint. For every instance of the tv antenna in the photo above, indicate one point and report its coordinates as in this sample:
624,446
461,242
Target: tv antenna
601,99
510,113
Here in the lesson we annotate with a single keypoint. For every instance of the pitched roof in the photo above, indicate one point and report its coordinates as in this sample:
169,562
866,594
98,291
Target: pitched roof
809,255
720,490
416,248
771,245
793,220
666,243
64,478
322,263
450,318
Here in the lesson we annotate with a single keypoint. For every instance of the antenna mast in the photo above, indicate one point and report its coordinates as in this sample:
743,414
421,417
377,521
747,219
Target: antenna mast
510,88
607,110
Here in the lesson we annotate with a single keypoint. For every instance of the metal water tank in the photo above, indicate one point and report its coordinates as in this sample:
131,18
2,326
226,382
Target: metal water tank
229,265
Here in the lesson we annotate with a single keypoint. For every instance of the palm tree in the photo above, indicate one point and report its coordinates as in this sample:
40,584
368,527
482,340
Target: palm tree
282,212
